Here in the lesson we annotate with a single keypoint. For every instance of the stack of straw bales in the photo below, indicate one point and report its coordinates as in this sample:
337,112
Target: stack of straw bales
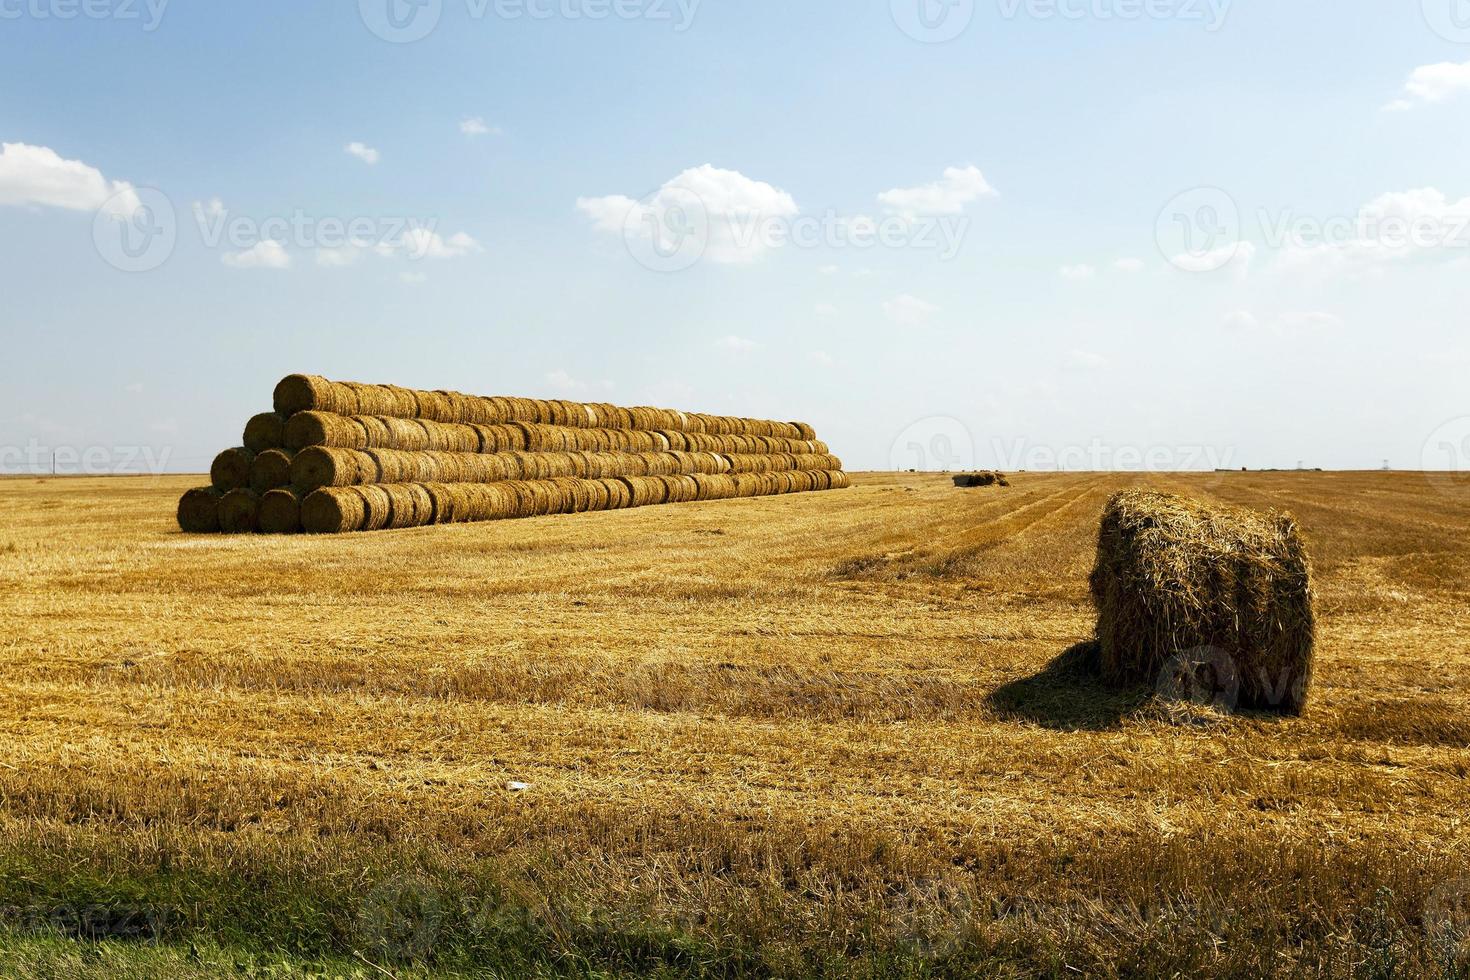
1183,587
339,456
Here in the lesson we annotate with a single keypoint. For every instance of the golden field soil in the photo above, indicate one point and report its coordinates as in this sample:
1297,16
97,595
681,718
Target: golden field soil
801,735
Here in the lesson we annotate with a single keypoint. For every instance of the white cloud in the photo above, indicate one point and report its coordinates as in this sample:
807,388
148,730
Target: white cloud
1237,254
1390,228
413,278
136,388
821,357
828,270
909,311
478,127
421,243
364,153
1076,272
1433,83
958,187
824,309
1129,265
261,255
725,206
38,175
1240,320
740,345
337,258
1086,359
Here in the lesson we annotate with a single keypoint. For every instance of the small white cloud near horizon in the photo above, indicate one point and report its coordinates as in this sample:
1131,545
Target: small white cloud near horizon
957,187
828,270
412,278
909,311
1077,272
821,357
365,153
421,243
739,345
1129,265
1430,84
261,255
38,175
476,126
1086,359
824,309
561,380
725,207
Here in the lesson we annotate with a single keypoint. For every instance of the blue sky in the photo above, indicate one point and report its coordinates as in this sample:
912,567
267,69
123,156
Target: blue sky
1172,223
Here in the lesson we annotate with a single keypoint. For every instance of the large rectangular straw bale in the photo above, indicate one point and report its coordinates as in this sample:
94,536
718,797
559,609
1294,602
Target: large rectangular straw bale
1179,582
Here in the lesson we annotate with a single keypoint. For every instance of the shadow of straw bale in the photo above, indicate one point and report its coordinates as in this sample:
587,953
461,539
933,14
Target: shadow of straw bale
1068,694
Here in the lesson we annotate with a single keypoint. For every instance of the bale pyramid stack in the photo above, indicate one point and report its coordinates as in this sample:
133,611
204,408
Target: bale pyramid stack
339,456
1179,580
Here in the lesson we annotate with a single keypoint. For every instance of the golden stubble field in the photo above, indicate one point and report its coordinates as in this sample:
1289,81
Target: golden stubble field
803,734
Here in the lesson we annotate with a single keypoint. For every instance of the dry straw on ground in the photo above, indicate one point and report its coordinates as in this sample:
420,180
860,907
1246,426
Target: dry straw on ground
1179,584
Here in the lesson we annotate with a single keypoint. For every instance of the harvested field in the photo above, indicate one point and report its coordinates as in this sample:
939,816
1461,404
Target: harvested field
805,734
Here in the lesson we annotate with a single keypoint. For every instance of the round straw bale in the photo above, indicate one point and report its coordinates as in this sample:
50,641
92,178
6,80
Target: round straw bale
377,506
645,490
596,492
265,431
313,428
393,432
303,393
432,405
269,470
803,431
441,502
199,510
231,469
1181,584
280,512
839,480
320,466
409,505
682,488
239,510
401,402
332,510
715,486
